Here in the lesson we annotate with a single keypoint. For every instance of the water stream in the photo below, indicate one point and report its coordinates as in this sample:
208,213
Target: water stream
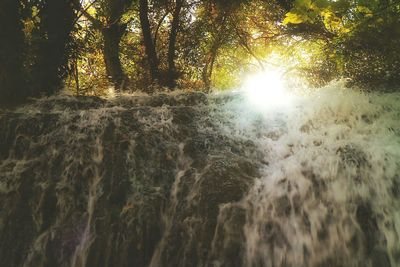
186,179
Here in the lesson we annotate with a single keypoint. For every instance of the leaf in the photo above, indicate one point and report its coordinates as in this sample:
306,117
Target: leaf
321,4
365,10
293,18
303,3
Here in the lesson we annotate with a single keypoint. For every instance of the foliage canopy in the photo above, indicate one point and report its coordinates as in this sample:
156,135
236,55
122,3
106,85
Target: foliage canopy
90,45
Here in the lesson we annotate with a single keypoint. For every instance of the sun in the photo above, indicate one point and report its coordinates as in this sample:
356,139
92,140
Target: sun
266,90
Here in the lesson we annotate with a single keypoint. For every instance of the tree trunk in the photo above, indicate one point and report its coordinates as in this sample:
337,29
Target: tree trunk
218,40
172,73
207,72
148,40
11,53
112,33
75,73
53,44
112,37
209,67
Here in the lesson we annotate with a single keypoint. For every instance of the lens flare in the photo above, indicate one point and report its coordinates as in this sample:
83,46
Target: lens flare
266,90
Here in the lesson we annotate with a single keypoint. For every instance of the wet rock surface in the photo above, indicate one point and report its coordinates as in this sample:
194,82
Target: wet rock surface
137,181
188,179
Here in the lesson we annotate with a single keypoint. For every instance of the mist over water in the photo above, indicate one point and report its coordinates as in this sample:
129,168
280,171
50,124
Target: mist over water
186,179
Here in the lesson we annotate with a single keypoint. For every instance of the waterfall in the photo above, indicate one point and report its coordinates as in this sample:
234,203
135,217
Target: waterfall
188,179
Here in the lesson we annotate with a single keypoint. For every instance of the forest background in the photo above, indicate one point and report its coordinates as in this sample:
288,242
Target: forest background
88,46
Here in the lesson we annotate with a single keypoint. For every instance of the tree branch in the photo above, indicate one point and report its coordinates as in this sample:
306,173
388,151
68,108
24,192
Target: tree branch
84,12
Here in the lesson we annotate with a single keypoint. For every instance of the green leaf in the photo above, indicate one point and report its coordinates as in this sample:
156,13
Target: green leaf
365,10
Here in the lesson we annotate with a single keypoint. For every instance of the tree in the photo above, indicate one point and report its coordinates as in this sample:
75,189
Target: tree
51,45
361,37
48,44
235,26
219,31
112,29
112,33
148,41
12,86
172,72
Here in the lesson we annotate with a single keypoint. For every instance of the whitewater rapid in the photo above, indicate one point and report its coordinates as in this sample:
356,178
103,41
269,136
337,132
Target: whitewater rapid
329,194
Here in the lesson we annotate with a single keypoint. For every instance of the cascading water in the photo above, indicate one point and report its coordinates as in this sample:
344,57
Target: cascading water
195,180
329,193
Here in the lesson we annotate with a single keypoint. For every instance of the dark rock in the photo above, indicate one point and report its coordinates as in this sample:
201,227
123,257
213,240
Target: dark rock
352,155
283,206
367,221
396,187
274,235
380,258
229,236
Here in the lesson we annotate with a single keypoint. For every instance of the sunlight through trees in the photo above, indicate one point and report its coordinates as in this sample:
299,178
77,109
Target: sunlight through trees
87,46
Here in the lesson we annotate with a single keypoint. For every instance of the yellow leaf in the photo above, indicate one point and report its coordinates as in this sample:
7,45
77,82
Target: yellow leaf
292,18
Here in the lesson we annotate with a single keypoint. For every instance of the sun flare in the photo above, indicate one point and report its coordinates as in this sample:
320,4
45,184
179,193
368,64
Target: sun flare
266,90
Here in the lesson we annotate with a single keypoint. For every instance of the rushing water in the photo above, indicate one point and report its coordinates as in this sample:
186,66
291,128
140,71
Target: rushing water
195,180
329,193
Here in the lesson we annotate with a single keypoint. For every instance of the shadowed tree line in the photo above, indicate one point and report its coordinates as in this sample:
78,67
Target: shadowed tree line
35,64
89,45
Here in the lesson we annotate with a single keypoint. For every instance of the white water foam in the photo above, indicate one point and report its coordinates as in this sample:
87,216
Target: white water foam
332,156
